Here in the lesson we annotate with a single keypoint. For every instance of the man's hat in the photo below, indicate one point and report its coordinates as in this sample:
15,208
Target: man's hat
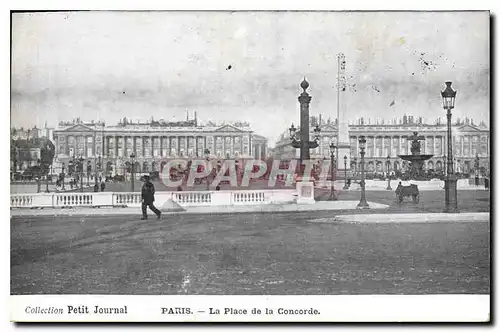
147,176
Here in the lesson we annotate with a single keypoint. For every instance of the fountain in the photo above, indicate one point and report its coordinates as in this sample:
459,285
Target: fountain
415,158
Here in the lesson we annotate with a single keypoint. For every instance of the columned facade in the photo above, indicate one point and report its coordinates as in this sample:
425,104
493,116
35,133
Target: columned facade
152,145
393,140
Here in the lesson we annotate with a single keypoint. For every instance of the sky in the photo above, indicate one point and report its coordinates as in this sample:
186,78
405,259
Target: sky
245,65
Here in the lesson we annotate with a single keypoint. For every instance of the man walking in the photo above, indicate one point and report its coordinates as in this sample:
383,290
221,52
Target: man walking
148,197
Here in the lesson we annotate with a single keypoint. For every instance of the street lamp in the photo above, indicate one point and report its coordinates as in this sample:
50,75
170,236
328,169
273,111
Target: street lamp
38,175
444,165
98,168
47,182
356,165
389,172
345,173
451,204
80,164
132,175
70,166
207,159
476,164
362,202
89,169
333,149
63,167
292,131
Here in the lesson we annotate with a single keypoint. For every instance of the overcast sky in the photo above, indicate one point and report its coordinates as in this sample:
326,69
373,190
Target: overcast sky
108,65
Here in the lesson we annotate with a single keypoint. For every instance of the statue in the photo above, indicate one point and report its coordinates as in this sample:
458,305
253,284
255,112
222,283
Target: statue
415,143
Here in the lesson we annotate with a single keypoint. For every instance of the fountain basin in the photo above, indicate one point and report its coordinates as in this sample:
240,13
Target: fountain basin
416,157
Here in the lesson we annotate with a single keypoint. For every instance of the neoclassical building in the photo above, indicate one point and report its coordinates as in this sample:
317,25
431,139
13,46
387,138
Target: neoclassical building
392,140
108,148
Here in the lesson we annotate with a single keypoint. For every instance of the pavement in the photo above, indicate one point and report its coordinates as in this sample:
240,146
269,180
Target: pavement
262,208
409,217
246,254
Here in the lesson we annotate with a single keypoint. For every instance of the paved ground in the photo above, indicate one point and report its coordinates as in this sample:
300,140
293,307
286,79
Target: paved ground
430,201
280,253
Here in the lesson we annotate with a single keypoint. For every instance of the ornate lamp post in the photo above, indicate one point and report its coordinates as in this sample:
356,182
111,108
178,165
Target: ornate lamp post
355,165
71,164
303,143
333,149
476,164
444,165
47,182
80,166
89,170
345,173
207,159
388,173
362,202
38,175
98,168
476,170
451,204
132,175
62,175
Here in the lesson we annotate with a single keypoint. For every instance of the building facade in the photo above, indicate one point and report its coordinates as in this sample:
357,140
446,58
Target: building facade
107,149
392,140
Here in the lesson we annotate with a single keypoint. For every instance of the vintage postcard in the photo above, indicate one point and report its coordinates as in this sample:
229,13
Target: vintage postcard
250,166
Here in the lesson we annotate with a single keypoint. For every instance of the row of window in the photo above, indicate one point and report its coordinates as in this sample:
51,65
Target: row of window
173,152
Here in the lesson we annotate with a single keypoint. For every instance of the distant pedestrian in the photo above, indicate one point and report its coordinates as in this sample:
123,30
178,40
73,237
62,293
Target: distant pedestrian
103,186
398,189
179,188
148,197
96,187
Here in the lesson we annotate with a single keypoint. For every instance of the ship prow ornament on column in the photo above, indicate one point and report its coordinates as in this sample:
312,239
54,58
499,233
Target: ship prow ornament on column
343,143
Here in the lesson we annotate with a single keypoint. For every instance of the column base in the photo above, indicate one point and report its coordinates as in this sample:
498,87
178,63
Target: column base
305,192
451,199
363,205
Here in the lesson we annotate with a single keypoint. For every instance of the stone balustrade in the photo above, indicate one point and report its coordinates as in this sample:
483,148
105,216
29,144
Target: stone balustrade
21,200
244,197
129,199
73,199
193,198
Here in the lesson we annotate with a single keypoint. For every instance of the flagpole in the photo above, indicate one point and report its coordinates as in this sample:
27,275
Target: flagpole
338,96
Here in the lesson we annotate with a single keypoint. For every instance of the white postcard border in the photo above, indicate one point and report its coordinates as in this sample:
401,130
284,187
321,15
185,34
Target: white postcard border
227,308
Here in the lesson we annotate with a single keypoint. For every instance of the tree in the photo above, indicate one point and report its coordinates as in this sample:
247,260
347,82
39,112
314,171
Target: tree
13,154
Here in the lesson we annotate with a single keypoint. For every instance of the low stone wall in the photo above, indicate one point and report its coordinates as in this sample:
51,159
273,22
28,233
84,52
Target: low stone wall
130,199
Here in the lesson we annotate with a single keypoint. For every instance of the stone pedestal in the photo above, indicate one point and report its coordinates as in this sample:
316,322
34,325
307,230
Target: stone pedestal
451,199
305,192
